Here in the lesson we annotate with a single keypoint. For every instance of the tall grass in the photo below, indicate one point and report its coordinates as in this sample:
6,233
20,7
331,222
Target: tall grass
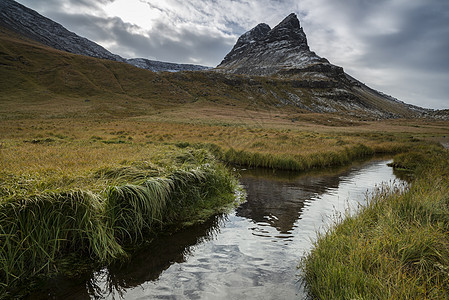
297,162
199,191
36,232
132,210
397,247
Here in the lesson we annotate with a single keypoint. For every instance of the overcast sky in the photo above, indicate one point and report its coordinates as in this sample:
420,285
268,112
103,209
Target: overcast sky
399,47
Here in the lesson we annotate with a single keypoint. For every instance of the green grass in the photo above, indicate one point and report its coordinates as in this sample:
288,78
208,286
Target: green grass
397,247
297,162
38,231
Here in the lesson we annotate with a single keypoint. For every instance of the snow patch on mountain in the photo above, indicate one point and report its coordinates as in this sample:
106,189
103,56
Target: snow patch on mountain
158,66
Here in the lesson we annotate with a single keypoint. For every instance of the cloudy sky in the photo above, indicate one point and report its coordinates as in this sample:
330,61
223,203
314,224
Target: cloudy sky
400,47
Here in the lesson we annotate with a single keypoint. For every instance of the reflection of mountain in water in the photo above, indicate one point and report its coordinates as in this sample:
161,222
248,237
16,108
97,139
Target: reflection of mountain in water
145,265
279,202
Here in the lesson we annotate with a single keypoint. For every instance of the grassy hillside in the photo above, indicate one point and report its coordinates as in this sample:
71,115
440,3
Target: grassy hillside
33,73
57,100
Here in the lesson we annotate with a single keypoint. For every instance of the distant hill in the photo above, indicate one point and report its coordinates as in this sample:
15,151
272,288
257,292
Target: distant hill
159,66
32,25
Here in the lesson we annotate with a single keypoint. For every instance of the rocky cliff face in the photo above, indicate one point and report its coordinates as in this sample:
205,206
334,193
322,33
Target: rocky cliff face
34,26
281,50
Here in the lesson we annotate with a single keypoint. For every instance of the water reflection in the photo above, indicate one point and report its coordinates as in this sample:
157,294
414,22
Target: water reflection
251,253
277,198
145,265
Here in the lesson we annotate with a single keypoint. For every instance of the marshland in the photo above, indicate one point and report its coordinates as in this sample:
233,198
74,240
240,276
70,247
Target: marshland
89,192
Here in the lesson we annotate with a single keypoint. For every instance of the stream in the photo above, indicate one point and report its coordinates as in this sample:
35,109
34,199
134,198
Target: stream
249,253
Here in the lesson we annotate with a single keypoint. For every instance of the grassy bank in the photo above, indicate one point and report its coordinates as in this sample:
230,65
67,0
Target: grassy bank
43,220
397,247
297,162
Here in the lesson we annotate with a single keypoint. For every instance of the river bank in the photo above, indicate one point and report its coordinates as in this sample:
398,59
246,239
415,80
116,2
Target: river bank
53,219
249,252
43,233
397,246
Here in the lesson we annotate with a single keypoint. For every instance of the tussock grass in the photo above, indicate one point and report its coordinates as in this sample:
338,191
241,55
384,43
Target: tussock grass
133,209
38,231
397,247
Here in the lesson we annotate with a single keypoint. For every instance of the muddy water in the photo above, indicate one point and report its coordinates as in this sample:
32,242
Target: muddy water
250,253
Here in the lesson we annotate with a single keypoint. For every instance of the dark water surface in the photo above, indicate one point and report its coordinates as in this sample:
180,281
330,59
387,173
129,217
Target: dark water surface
250,253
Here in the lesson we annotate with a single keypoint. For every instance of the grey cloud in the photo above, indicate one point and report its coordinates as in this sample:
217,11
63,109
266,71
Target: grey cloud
421,44
164,43
55,5
398,47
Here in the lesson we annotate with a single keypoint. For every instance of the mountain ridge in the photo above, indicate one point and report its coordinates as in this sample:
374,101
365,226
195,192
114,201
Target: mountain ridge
31,24
283,52
39,78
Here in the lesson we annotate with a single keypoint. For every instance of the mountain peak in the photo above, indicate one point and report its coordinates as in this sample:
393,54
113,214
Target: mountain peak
289,30
256,33
265,51
291,21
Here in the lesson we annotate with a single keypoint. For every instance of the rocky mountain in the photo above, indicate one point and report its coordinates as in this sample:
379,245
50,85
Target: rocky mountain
34,26
41,80
266,51
283,53
270,68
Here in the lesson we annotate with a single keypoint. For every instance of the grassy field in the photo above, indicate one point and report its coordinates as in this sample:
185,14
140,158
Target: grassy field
89,175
